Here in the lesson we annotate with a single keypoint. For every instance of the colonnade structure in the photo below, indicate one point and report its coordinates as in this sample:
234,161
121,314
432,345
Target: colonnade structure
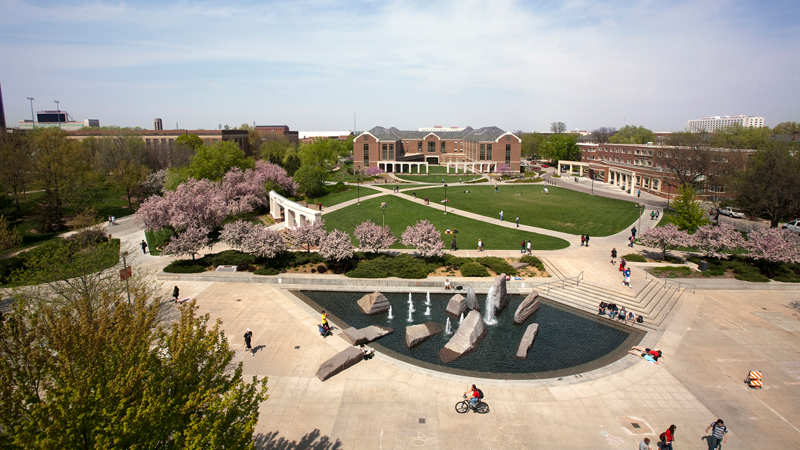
474,167
628,180
400,167
290,211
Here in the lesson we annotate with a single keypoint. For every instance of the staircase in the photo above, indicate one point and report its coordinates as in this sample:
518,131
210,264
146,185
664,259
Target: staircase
653,302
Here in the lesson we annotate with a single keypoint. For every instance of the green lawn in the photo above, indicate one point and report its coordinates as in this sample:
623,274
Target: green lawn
560,210
449,179
340,197
402,213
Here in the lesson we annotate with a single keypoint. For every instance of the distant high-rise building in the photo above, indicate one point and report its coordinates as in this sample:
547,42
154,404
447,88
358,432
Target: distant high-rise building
157,124
2,112
713,123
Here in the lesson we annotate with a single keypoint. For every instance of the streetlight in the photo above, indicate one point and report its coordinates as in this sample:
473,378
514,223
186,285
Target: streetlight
58,111
32,119
125,275
640,206
593,175
445,199
358,184
383,210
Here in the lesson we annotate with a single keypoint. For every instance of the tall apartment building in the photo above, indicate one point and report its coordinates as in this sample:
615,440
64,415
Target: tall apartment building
713,123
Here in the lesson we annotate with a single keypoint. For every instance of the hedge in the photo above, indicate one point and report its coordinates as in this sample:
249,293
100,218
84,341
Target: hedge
473,270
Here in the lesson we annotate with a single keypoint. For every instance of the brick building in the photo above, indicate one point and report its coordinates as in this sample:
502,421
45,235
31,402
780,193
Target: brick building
166,138
634,167
487,149
280,129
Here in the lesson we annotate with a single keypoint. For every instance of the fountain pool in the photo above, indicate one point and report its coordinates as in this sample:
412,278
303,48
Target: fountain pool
569,341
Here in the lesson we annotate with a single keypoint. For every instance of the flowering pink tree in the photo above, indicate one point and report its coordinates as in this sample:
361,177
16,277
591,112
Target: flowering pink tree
189,242
772,245
374,171
425,238
336,246
373,237
308,234
666,237
249,187
276,177
714,240
235,233
504,169
254,239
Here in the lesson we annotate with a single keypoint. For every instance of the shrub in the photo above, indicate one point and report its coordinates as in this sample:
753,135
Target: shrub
453,260
633,257
88,237
305,258
497,265
534,261
401,266
267,271
185,266
672,271
228,258
8,266
472,269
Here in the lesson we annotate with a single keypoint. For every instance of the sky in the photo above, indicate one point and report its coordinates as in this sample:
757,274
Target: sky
317,64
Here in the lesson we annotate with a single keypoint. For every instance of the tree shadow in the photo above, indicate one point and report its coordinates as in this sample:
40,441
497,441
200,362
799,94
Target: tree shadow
311,441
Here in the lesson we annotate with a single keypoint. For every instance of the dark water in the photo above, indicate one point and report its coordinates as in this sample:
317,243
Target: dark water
568,342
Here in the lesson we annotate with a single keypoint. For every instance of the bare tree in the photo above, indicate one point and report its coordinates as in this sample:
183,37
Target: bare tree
558,127
603,133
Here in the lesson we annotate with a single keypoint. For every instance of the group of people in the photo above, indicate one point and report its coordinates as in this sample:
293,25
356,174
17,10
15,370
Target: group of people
525,247
719,435
584,240
649,354
615,312
654,215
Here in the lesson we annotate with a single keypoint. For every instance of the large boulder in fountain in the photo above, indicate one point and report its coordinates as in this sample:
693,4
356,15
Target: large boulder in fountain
415,334
472,300
528,306
498,295
374,303
343,360
457,305
527,340
467,337
363,335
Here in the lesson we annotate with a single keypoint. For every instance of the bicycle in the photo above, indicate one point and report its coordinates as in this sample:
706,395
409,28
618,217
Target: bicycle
464,406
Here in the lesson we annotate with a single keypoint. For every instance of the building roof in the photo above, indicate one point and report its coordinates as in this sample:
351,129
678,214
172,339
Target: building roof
484,134
316,134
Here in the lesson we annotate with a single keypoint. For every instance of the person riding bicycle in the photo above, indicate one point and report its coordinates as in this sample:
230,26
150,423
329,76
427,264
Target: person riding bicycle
476,397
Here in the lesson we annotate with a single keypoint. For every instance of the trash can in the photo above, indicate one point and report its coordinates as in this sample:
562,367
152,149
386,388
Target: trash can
702,265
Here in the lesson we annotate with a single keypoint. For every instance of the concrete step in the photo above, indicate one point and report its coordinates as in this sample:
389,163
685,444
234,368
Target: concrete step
647,326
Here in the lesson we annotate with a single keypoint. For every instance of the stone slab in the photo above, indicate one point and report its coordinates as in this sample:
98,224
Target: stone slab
472,300
519,265
499,293
373,303
364,335
528,306
457,305
343,360
469,334
416,334
527,340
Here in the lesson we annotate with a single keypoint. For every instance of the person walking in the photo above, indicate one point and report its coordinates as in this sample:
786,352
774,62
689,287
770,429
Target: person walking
522,250
453,245
644,444
324,317
627,278
247,336
613,255
652,215
583,240
496,191
633,232
545,190
719,434
144,246
175,293
668,437
480,245
320,206
587,240
517,221
501,216
529,246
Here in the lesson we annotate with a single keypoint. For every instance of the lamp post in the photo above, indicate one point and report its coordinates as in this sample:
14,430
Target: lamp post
383,211
358,185
58,110
640,206
445,199
125,274
593,175
32,118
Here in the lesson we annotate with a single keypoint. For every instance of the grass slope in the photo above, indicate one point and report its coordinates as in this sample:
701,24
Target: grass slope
560,210
341,197
403,213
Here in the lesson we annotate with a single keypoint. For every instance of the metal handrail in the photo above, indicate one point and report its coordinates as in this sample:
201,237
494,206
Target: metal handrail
563,281
680,283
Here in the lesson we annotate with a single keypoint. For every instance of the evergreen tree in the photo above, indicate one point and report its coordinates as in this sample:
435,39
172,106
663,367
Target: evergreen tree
689,214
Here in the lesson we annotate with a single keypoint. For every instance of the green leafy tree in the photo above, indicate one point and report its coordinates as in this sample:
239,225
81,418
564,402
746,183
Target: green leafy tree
127,177
770,184
738,136
786,128
189,140
9,237
111,151
631,134
559,147
275,150
558,127
17,161
291,162
531,143
64,170
311,179
211,162
689,213
320,152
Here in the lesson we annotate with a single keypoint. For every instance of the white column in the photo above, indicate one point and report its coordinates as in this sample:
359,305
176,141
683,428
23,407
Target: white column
581,170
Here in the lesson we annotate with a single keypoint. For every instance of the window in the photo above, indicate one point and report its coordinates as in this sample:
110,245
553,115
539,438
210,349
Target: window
419,147
391,152
483,152
444,150
366,155
383,152
366,138
508,138
489,152
431,147
508,153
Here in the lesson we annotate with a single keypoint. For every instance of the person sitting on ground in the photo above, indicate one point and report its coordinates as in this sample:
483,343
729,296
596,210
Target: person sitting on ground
623,313
368,352
601,309
631,317
447,285
476,396
613,310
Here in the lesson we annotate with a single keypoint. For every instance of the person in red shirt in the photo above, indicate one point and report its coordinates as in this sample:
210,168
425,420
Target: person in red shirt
668,437
476,396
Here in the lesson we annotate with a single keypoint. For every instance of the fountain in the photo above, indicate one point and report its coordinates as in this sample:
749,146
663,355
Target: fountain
448,329
489,318
410,315
461,319
390,313
428,299
410,304
428,311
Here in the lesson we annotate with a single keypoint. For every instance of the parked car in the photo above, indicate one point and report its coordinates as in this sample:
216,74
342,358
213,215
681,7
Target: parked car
793,226
544,166
728,211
